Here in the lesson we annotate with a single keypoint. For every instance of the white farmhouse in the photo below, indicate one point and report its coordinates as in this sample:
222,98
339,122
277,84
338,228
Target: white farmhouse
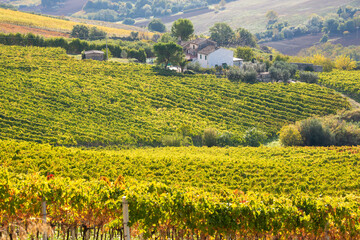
212,56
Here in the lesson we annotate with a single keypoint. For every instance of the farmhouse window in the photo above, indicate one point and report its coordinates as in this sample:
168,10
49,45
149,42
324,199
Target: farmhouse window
200,56
205,57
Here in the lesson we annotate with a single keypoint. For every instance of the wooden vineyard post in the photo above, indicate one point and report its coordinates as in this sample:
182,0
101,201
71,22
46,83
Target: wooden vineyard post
43,211
126,219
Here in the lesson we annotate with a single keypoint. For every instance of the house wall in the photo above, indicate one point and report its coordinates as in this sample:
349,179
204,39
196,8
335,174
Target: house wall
203,62
221,56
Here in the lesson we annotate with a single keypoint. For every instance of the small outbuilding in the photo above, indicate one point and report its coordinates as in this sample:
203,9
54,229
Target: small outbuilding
94,54
238,62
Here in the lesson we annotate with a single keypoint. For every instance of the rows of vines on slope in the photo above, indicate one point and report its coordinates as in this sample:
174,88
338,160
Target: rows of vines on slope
280,171
94,103
156,209
343,81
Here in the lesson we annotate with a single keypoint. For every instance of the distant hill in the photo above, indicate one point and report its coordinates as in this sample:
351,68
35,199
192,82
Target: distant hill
16,21
47,96
250,14
294,46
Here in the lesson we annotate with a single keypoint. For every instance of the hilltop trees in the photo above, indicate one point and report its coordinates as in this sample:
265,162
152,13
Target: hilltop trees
80,31
182,29
244,37
84,32
156,25
222,33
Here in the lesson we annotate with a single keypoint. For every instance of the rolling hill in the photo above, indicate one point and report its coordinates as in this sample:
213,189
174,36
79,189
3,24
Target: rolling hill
16,21
47,96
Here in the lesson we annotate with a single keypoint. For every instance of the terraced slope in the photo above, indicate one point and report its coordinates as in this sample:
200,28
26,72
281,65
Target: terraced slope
47,96
347,82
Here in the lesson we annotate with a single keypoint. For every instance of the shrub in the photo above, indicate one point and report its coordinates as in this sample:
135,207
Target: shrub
315,134
345,63
210,137
250,76
321,60
227,139
129,21
156,25
254,137
308,77
290,136
324,38
195,66
351,116
176,140
235,74
282,71
173,140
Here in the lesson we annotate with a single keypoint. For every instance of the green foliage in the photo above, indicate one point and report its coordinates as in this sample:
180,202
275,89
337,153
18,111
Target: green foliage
209,137
324,38
168,53
308,77
182,29
95,34
282,71
156,25
176,140
290,136
245,53
129,21
80,31
342,81
314,133
338,130
244,37
271,191
254,137
227,139
332,51
222,34
91,103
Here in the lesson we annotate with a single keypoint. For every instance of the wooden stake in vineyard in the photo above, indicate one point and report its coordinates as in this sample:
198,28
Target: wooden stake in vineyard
43,211
126,219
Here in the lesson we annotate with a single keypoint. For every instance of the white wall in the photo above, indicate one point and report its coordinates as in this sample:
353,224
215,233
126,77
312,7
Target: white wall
220,56
202,61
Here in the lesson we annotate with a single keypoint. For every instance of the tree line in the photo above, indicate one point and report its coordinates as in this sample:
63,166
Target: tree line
74,46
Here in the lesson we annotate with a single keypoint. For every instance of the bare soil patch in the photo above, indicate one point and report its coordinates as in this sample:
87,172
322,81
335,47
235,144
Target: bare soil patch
293,46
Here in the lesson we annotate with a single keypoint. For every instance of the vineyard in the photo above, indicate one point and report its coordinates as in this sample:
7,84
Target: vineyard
346,82
48,97
279,193
58,25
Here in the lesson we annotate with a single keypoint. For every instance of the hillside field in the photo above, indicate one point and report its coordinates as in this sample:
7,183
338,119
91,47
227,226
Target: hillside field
346,82
253,192
35,22
49,97
250,14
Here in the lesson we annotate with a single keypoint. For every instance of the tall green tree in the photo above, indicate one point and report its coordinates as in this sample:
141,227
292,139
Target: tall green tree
156,25
168,53
244,37
182,28
96,34
222,34
245,53
80,31
272,16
